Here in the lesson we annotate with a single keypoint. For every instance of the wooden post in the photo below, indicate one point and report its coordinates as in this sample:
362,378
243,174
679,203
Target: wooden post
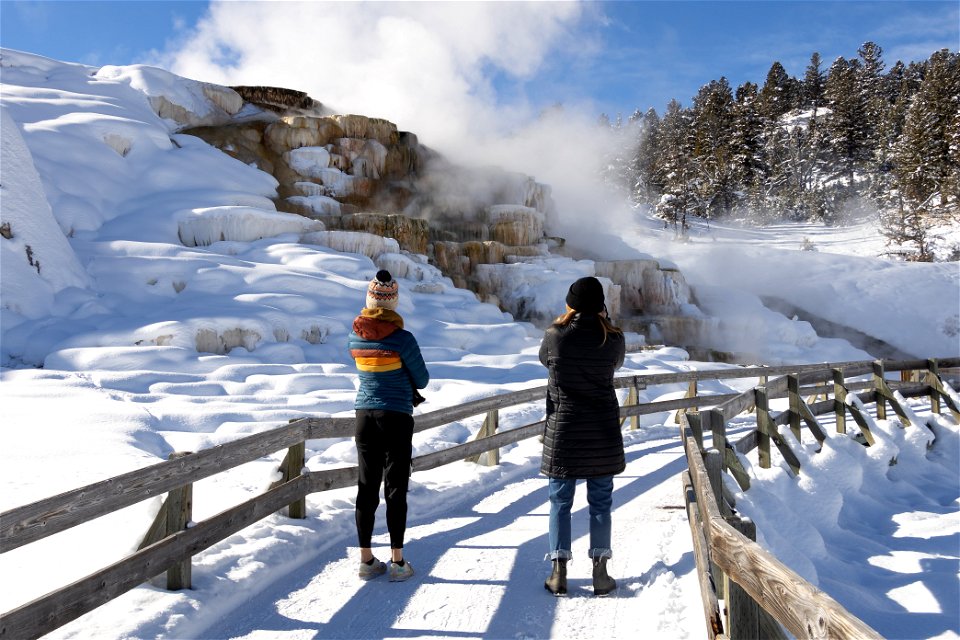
933,370
840,400
878,374
632,400
296,458
179,514
291,467
743,613
691,393
701,553
696,426
764,426
174,515
712,462
713,420
793,391
488,458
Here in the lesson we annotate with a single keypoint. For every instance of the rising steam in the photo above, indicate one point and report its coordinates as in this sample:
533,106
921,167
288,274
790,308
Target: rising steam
431,68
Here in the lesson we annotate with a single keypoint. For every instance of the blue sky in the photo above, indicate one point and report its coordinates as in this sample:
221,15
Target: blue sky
614,57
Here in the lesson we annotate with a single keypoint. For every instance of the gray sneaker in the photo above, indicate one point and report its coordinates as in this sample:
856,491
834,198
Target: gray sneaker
398,573
371,571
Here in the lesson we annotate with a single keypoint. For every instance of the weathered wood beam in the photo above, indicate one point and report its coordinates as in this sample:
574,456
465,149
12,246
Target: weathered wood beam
35,521
801,608
708,596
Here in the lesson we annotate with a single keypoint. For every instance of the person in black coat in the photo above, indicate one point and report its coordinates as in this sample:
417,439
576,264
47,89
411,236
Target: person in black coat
582,349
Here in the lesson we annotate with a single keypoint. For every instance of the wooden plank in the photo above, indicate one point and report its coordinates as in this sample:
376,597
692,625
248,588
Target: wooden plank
861,421
732,408
713,421
463,451
708,597
35,521
295,461
630,402
736,468
747,443
764,427
157,529
179,513
793,391
878,374
801,608
840,400
320,428
712,463
55,609
939,392
885,393
452,414
490,458
933,374
855,367
743,612
695,421
332,479
648,408
691,393
812,422
770,629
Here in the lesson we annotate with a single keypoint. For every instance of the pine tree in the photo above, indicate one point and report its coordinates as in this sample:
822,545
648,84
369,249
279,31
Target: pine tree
899,90
713,116
778,94
925,163
675,170
845,124
813,81
646,189
749,166
872,89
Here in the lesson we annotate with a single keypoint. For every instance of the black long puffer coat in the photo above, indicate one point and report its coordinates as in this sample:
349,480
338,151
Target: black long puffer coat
582,437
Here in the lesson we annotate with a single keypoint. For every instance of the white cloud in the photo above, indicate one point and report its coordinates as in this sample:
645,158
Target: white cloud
428,67
431,68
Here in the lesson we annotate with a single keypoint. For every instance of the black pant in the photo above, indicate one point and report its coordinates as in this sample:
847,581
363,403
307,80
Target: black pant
383,449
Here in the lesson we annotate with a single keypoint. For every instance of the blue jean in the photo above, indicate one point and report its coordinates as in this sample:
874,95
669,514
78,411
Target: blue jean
600,498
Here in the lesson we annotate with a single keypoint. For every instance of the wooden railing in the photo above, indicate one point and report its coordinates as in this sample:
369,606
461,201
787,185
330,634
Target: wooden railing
762,597
169,544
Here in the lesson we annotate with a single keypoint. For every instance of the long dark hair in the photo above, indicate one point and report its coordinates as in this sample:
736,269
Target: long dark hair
608,327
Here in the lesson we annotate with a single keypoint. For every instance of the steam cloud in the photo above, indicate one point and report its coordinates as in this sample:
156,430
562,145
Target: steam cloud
431,68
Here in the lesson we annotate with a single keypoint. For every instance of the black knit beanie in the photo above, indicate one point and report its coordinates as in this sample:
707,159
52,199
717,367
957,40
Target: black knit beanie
586,295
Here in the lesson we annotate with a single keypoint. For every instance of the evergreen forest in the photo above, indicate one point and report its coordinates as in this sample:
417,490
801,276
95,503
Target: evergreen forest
843,142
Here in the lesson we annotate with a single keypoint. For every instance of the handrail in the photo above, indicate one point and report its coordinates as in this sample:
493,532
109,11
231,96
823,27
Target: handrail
728,560
35,521
807,612
28,523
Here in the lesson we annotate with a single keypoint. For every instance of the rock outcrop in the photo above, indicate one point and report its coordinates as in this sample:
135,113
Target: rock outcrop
486,229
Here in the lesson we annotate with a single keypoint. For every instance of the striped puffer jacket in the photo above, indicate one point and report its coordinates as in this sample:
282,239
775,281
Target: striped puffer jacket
388,360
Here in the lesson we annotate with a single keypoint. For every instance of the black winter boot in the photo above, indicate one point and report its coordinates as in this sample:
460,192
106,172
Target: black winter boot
557,582
602,583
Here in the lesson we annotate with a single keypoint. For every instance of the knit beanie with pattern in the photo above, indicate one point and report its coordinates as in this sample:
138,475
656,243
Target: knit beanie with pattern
383,292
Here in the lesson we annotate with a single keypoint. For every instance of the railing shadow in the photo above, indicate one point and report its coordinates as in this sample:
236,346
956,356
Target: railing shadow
523,608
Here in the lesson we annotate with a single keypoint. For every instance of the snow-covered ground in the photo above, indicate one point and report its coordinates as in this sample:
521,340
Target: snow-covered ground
120,345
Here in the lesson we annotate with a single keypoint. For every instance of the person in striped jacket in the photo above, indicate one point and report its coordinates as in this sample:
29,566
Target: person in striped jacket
391,369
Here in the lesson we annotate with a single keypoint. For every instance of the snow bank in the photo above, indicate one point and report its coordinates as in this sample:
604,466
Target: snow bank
204,226
37,260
